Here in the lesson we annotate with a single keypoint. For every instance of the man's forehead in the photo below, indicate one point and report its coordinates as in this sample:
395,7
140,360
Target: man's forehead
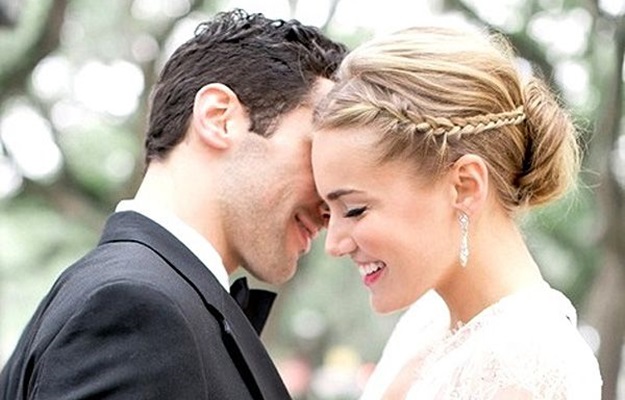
300,119
321,89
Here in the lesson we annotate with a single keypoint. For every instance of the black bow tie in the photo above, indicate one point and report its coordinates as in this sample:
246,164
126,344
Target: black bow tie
255,303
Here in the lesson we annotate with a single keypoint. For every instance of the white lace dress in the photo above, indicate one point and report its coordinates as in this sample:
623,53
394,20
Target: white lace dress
526,346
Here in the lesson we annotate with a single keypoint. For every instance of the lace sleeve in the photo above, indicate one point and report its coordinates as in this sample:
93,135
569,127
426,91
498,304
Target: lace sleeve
530,372
513,393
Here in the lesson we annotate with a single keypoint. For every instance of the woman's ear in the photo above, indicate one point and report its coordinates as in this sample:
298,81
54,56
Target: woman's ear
470,180
214,109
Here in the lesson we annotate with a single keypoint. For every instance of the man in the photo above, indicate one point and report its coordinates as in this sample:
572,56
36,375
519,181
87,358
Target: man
228,183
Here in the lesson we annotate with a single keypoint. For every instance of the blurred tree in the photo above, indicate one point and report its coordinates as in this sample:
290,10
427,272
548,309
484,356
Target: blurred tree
606,302
35,37
49,218
5,19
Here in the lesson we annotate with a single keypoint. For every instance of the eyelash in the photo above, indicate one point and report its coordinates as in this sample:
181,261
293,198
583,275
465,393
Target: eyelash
355,212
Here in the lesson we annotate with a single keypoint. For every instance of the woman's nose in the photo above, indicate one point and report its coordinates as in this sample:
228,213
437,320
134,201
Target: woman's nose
338,240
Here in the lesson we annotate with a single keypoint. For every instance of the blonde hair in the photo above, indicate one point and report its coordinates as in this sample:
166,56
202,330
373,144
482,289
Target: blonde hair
435,94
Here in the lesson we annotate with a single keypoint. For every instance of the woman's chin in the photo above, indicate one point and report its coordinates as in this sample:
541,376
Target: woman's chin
384,307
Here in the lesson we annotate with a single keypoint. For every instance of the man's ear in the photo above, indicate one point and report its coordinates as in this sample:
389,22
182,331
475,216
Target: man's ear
214,109
470,179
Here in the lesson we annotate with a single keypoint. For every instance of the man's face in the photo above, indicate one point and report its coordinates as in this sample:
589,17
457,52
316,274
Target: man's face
273,213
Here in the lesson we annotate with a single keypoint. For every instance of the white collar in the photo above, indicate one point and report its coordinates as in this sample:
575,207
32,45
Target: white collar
191,238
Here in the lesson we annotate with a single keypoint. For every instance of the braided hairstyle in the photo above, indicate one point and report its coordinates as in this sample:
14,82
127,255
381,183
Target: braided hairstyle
435,94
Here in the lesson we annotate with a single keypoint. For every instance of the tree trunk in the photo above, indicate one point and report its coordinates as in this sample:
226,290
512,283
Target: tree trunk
606,313
606,304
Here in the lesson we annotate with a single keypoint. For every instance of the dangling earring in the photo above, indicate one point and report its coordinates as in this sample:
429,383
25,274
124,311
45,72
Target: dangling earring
464,238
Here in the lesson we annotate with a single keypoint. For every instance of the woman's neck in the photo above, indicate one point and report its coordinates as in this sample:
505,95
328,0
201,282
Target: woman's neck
499,265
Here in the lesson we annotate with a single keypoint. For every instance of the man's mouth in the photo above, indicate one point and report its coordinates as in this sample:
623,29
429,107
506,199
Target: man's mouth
308,230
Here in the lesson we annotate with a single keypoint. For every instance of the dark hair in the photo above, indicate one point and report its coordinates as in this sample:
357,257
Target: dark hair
271,65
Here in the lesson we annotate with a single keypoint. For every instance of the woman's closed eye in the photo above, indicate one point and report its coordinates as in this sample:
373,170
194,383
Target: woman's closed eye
355,212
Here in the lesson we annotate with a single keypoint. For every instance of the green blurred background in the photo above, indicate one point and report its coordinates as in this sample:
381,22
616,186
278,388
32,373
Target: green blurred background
74,79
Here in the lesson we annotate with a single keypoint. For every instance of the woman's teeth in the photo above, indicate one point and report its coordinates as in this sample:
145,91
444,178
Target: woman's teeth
369,268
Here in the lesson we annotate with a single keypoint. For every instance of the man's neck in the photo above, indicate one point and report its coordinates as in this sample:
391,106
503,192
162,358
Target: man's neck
189,199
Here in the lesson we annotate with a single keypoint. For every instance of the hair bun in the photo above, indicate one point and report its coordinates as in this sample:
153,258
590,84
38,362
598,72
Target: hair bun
552,156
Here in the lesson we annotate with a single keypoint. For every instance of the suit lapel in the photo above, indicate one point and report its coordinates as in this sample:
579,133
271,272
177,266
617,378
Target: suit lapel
239,335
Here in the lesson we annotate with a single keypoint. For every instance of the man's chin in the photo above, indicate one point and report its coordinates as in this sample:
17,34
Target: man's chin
284,277
274,275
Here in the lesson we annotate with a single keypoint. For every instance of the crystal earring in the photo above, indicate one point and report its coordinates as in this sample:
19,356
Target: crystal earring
464,238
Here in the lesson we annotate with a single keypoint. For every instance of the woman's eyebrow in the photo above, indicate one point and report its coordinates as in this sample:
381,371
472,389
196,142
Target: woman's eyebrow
334,195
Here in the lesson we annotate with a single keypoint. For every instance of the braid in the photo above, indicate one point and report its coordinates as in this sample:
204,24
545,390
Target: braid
453,126
458,126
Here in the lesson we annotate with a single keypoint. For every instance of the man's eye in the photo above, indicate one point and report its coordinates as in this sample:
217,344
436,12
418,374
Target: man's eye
325,218
324,213
355,212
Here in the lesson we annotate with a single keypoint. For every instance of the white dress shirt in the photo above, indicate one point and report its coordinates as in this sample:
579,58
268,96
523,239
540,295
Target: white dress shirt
191,238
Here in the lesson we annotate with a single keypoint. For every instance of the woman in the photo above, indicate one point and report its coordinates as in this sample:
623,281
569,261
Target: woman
427,150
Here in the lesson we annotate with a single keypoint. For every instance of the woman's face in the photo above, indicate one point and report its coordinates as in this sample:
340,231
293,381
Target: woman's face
398,229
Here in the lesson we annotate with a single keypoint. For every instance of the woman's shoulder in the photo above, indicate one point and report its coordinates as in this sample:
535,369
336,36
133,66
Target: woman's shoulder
552,364
538,316
534,340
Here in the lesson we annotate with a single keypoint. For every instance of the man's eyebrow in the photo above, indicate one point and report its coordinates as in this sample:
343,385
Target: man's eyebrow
338,193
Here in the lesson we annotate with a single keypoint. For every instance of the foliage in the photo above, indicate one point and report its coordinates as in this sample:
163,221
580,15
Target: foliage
49,219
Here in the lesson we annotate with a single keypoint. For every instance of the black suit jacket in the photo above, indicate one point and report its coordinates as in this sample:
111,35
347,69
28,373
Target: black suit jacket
139,317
